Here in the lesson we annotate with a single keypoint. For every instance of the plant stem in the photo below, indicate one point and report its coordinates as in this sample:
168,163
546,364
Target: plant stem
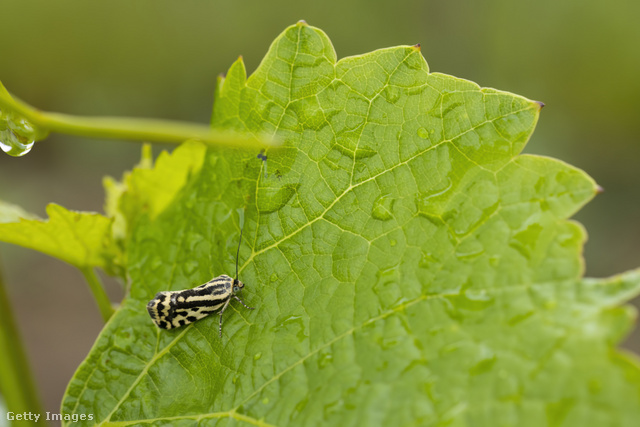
99,294
129,128
16,380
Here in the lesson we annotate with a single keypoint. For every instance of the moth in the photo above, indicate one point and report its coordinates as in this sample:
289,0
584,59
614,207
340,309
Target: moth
172,309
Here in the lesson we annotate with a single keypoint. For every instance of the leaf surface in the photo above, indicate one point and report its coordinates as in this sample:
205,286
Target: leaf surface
82,239
149,188
408,265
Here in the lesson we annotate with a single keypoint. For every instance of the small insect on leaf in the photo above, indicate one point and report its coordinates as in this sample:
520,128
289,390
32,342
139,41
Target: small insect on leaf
172,309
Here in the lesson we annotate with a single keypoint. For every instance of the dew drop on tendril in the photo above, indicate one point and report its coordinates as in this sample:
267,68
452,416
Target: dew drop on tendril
17,135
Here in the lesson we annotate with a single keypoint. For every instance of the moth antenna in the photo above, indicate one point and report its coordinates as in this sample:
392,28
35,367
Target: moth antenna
238,253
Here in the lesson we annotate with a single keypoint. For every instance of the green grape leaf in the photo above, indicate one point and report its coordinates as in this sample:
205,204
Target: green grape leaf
82,239
408,266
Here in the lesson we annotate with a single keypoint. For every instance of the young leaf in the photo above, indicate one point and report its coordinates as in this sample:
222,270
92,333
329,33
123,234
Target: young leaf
408,266
149,188
82,239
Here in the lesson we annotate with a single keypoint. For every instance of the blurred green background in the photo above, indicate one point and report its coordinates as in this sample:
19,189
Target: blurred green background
160,58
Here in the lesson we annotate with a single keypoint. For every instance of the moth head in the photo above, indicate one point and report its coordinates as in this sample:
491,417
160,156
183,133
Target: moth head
237,285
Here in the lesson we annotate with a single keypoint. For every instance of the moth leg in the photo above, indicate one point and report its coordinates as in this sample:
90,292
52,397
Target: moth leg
245,306
222,311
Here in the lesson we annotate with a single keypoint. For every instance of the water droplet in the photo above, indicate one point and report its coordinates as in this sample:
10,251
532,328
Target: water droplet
388,343
388,289
543,296
265,400
14,145
189,267
301,405
332,408
364,152
388,272
345,146
449,348
274,277
308,111
22,128
156,263
324,360
557,411
431,203
292,324
124,338
257,356
426,261
273,198
17,135
392,94
472,300
392,242
423,133
469,249
519,318
234,379
360,169
483,366
383,207
193,240
452,106
122,362
524,241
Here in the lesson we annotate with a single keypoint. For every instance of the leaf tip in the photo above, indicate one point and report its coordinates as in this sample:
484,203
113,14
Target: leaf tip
599,189
540,104
302,23
416,47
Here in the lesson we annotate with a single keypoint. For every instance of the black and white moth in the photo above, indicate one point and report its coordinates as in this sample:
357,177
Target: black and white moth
172,309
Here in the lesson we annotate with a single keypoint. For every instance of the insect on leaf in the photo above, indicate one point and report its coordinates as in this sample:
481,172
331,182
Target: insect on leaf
408,265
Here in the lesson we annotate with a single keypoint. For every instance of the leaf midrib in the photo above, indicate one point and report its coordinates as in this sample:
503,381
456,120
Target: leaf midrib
354,186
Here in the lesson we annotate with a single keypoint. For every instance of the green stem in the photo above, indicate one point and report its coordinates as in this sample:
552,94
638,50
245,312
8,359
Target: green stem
16,380
129,128
99,294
